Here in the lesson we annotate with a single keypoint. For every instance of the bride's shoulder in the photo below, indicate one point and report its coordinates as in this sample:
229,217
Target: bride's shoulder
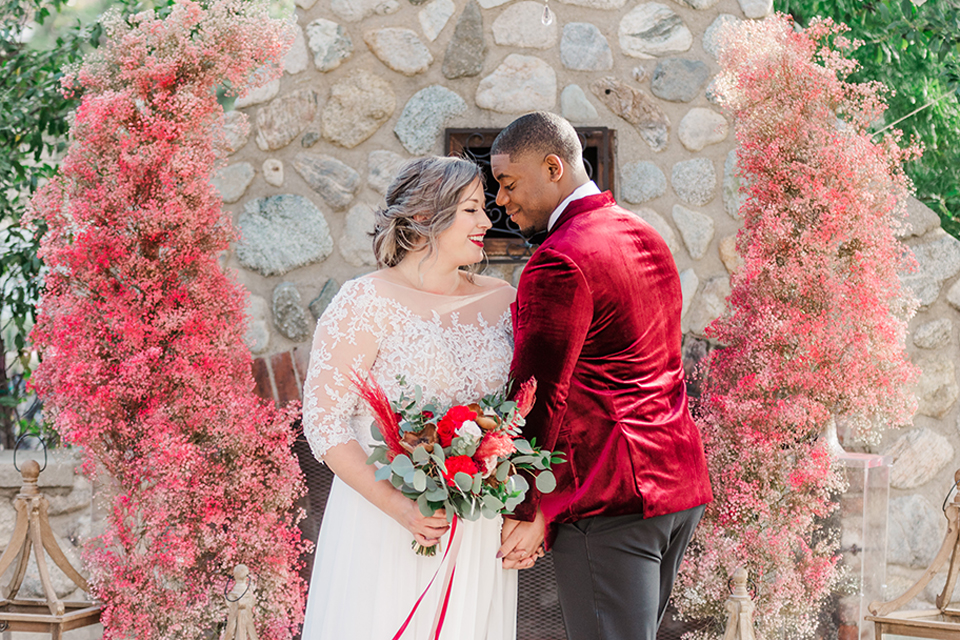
494,286
490,283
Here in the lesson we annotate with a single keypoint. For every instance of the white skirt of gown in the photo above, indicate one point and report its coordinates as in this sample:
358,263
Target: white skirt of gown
366,579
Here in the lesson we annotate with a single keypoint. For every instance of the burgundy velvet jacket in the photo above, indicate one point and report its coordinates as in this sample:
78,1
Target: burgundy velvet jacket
597,322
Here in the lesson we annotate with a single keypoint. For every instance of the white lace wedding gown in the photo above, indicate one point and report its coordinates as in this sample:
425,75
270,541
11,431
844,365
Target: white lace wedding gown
366,578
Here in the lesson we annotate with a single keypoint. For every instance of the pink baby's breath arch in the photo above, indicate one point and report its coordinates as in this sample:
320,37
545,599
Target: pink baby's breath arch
816,323
141,331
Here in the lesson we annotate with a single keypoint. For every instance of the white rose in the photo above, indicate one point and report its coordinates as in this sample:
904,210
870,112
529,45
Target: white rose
470,429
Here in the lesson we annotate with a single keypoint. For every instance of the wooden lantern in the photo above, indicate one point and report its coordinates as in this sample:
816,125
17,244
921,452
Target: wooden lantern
32,533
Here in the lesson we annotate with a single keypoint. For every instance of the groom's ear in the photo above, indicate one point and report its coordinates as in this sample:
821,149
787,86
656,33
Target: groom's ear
554,167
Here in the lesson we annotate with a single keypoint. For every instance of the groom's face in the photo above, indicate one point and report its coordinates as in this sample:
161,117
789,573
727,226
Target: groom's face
526,190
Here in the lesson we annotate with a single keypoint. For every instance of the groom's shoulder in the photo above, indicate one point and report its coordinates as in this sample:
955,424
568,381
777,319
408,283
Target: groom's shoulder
603,224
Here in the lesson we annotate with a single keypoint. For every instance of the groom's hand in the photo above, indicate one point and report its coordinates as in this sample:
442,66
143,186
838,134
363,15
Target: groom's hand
522,542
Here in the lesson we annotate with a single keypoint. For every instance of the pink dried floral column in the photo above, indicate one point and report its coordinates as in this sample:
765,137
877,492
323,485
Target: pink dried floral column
144,364
816,321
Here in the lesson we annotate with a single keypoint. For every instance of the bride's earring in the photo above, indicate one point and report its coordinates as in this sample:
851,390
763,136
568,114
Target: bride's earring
547,17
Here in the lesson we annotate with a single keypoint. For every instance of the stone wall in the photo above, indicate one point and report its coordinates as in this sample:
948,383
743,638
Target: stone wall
925,456
370,83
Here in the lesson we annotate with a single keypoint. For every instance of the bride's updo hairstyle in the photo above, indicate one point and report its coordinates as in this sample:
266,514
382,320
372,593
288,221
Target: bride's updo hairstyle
421,204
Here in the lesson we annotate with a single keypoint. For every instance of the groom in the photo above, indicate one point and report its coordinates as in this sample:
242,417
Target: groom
597,322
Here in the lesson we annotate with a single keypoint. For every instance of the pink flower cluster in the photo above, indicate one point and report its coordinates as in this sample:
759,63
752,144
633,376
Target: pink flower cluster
141,332
816,323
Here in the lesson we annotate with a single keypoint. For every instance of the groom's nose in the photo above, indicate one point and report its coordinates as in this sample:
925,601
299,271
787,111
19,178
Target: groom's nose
502,198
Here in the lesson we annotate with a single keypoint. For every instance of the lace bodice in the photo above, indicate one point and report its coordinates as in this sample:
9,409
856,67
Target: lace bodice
458,348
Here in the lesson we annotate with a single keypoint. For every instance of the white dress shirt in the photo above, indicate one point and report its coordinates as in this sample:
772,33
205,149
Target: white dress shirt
588,188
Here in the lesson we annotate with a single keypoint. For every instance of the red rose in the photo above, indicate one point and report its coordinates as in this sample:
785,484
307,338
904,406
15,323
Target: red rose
457,464
447,425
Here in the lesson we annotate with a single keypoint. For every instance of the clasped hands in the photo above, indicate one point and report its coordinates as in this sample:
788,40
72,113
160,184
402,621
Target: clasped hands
522,542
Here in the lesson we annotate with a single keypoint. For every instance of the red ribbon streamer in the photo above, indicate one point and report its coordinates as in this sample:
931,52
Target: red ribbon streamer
442,611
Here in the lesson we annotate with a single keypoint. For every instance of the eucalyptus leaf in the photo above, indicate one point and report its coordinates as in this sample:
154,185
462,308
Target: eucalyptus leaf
519,483
401,465
420,455
424,505
523,446
375,432
546,482
503,471
477,483
436,495
420,480
491,502
464,481
471,512
383,473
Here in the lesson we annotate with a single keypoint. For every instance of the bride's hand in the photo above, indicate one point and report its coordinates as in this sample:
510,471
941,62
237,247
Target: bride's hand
425,530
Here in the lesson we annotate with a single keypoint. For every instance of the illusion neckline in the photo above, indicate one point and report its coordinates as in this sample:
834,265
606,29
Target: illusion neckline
439,295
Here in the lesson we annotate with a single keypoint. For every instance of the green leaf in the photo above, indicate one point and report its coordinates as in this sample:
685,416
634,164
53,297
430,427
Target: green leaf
470,511
379,454
546,482
402,465
375,432
383,473
492,503
523,446
518,483
436,495
464,481
503,471
477,483
425,509
420,480
421,455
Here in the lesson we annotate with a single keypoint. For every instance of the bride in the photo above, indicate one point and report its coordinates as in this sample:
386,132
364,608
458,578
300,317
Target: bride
422,317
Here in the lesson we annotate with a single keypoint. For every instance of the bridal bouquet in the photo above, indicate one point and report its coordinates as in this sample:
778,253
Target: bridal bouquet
465,459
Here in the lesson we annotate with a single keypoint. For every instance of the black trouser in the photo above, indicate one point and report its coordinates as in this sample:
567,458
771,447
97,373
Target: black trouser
615,574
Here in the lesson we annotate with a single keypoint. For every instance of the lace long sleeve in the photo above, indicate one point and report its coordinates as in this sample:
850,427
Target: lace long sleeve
346,338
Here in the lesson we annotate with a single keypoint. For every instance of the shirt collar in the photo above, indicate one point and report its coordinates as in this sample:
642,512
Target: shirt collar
588,188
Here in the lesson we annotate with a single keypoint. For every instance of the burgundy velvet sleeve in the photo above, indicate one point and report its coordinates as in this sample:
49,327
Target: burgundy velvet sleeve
553,313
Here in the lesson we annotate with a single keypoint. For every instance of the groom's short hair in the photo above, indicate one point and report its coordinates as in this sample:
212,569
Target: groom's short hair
540,132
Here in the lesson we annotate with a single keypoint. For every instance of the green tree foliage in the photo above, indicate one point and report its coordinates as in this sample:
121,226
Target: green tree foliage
33,128
914,49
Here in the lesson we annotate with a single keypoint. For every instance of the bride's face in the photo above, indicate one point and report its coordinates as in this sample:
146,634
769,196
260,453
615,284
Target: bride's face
462,242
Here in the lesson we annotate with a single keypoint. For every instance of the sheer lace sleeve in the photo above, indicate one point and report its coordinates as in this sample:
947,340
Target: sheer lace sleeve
346,338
